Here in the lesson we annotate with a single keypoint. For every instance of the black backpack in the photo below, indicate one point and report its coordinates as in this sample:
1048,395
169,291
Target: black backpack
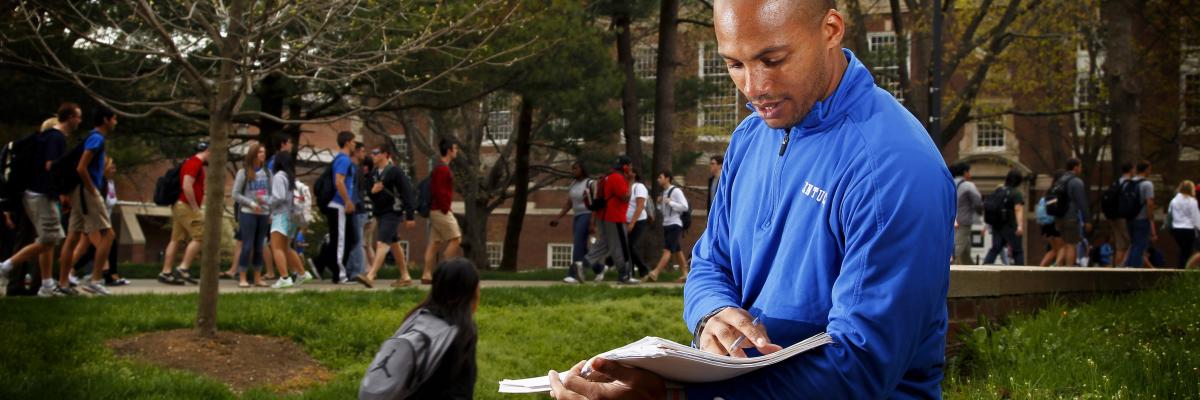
17,163
168,187
1057,198
1130,202
324,189
424,197
63,176
409,358
597,202
1110,201
998,208
686,216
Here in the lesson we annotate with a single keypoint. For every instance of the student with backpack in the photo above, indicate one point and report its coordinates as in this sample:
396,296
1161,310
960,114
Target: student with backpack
42,203
1140,223
432,355
393,199
187,219
1110,204
89,219
676,214
611,238
443,230
1067,201
970,206
578,202
1049,232
1004,211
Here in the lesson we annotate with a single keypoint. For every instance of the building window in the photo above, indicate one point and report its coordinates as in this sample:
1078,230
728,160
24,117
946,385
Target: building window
881,55
720,109
645,62
647,121
400,154
495,252
558,255
1191,99
499,122
989,134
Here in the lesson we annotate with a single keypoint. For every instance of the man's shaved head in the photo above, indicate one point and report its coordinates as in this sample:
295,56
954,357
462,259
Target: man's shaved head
784,55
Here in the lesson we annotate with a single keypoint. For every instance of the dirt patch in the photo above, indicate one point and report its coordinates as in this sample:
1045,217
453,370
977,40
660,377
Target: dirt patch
239,360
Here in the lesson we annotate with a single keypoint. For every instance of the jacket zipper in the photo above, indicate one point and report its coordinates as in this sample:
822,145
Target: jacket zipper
774,182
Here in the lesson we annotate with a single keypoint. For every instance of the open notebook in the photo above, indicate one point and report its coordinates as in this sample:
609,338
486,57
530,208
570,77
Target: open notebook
676,362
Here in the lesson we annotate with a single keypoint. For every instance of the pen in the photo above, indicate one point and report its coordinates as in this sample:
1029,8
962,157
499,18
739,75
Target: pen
738,342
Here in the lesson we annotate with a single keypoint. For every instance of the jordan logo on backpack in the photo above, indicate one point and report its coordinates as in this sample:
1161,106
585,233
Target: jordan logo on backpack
383,364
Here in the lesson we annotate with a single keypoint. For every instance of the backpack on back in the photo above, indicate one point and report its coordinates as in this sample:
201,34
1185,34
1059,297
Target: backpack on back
1110,200
324,190
169,187
1130,202
63,176
1057,198
408,358
686,215
597,202
424,197
17,163
998,208
1043,217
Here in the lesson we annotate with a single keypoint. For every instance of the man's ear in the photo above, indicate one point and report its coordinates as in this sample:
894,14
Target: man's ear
833,26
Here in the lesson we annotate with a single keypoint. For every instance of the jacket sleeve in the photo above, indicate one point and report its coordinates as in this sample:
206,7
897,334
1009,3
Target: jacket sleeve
1079,198
677,201
888,300
407,195
710,283
239,186
280,195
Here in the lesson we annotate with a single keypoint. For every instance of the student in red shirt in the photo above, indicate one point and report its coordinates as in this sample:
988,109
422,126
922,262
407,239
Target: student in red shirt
187,218
443,225
611,236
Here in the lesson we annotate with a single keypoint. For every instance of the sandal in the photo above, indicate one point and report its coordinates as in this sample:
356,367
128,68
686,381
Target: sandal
261,284
243,285
226,275
425,281
402,283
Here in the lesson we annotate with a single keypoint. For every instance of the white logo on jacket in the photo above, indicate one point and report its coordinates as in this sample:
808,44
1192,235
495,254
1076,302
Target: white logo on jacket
814,192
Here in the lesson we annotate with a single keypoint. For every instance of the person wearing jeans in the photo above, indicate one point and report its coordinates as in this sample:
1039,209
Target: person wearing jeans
611,231
578,199
251,188
1010,234
1141,228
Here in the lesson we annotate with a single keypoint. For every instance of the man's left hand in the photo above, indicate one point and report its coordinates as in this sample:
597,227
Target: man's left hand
607,380
410,224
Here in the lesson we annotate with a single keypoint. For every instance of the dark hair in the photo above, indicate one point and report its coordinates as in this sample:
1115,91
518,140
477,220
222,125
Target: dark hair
101,114
959,169
1014,178
666,173
1142,166
66,110
582,168
1126,167
719,159
1072,163
621,161
343,138
359,145
383,150
280,139
445,145
454,284
283,162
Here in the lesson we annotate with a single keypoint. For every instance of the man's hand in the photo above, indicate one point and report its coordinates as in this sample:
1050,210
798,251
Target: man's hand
607,380
1020,231
8,222
554,223
727,326
410,224
377,187
349,208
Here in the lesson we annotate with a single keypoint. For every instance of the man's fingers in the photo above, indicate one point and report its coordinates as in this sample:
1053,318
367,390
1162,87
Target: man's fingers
617,371
560,392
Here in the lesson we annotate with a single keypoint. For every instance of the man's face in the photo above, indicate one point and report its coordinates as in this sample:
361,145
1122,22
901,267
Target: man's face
714,168
379,158
110,124
453,152
286,146
74,121
663,181
777,54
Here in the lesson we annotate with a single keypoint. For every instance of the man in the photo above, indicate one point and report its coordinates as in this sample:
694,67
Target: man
1008,235
612,240
89,214
970,212
187,216
392,195
1118,226
342,207
359,261
443,230
1141,228
834,214
673,204
42,204
714,170
1075,222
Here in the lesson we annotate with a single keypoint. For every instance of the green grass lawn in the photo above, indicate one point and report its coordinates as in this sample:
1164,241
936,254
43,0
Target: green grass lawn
1143,345
1137,346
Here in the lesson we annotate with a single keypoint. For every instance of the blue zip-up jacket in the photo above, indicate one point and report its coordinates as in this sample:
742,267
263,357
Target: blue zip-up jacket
849,232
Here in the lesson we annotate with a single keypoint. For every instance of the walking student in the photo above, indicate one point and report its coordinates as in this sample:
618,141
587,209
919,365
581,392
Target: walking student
284,223
578,200
970,209
89,218
251,190
393,198
444,230
637,219
672,204
612,240
187,217
1141,227
341,209
1072,226
1185,220
1008,233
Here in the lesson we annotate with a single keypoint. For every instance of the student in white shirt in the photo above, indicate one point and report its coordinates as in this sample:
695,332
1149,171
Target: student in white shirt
637,219
1185,218
672,204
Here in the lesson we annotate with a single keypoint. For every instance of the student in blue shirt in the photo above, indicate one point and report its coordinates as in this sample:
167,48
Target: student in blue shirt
834,213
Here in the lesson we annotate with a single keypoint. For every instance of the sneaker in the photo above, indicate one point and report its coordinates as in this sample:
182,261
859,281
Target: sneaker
74,281
65,291
600,275
577,270
118,282
301,279
182,273
312,268
170,278
570,279
629,281
283,283
47,292
95,288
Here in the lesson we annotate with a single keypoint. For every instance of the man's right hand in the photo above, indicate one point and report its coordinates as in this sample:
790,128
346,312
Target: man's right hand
554,223
350,208
727,326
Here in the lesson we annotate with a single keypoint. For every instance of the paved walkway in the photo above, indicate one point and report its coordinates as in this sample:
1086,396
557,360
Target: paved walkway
143,286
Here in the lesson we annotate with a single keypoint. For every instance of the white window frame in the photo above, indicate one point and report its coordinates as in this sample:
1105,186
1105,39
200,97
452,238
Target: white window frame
400,144
720,110
645,62
993,125
875,40
495,252
550,260
499,119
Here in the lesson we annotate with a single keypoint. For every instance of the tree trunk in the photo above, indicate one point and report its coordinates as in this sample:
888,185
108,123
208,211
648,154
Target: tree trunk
475,230
664,89
856,30
1119,76
516,217
901,55
629,103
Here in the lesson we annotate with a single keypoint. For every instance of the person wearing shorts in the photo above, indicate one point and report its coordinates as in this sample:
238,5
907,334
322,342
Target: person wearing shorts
89,212
187,219
444,229
672,204
285,218
392,198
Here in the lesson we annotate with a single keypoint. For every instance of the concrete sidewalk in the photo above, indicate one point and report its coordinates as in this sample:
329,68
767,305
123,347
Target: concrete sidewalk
144,286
